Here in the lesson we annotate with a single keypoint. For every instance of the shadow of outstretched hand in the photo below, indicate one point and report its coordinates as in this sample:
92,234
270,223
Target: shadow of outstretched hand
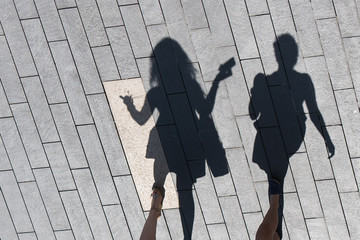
225,70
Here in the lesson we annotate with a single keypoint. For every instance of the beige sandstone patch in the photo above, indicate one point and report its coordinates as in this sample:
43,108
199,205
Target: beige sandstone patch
134,139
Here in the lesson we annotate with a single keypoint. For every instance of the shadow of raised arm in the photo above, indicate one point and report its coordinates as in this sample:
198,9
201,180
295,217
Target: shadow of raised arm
141,116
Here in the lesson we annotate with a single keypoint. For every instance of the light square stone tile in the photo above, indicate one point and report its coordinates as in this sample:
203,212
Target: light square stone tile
132,134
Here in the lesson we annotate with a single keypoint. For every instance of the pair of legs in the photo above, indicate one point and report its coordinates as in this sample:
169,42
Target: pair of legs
149,230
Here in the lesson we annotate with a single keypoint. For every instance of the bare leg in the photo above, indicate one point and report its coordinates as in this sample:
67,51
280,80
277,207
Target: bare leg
149,230
267,229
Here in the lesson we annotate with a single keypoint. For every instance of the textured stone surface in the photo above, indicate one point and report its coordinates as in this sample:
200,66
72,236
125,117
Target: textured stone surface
333,212
106,63
334,53
29,135
43,60
108,134
67,172
9,77
37,211
71,83
92,22
69,136
122,52
80,50
40,109
50,20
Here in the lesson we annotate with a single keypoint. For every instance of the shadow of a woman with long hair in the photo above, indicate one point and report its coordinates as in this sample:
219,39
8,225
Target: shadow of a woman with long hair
184,124
278,107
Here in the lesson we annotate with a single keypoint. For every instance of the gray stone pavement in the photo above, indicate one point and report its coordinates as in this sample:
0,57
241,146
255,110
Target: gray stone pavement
64,174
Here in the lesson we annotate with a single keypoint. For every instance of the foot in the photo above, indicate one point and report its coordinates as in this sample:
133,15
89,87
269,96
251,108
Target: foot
156,202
